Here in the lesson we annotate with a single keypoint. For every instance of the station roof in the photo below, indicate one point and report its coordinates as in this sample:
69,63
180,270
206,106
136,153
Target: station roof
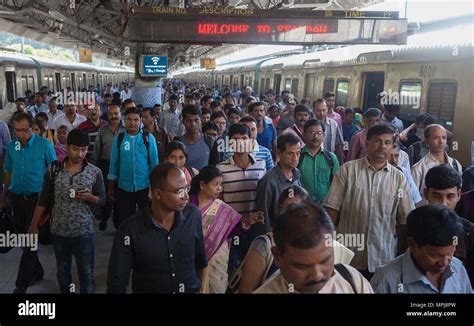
102,25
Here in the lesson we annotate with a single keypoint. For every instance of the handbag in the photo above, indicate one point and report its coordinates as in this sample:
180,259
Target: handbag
6,226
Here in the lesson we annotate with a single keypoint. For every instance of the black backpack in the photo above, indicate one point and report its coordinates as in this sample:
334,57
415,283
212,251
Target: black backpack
146,141
327,156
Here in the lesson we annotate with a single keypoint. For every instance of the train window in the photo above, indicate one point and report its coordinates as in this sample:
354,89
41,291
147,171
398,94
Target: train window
341,92
57,75
267,84
288,84
410,99
31,83
262,86
10,80
328,85
250,81
277,83
294,86
24,84
442,100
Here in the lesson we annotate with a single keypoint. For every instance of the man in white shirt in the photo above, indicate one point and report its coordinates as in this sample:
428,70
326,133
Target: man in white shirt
126,93
304,253
436,139
53,113
71,119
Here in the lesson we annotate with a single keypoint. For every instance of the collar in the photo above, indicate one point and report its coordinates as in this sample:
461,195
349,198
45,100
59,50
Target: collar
179,219
388,167
431,157
84,162
30,141
307,151
252,159
282,176
411,273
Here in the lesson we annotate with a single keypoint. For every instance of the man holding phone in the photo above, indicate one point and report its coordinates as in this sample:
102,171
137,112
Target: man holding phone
74,190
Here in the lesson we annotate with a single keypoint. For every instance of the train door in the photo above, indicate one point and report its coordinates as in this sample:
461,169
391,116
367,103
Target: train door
373,84
277,83
10,79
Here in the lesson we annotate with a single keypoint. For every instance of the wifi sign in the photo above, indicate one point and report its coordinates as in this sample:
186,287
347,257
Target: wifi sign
154,65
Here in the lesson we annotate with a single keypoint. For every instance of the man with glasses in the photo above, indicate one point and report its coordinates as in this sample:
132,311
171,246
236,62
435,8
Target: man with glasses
317,165
25,164
163,244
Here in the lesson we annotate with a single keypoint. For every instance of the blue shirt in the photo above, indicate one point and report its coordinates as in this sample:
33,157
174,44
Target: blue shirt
397,123
415,193
198,153
4,138
28,164
267,137
133,170
261,153
348,131
35,109
402,276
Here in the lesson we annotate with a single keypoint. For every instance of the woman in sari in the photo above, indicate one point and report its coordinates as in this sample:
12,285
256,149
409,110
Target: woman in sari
176,154
220,222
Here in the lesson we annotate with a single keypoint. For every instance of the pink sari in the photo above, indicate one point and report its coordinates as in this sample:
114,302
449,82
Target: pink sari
218,222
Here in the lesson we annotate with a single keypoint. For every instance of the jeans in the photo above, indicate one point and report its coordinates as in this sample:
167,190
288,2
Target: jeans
30,267
83,248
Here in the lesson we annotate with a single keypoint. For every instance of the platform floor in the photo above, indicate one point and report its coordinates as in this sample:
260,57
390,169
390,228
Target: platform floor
9,265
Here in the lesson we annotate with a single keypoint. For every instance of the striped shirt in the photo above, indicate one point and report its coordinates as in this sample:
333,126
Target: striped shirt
240,185
333,135
371,204
421,168
92,130
261,153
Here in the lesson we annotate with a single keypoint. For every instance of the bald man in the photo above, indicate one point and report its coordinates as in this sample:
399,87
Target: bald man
436,139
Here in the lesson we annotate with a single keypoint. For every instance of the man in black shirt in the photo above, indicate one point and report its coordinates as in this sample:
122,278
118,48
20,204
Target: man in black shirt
163,244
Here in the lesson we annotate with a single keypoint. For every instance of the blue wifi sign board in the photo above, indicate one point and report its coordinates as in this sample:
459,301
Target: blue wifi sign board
154,65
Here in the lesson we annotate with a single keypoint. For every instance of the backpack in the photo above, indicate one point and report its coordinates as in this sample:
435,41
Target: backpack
146,141
329,160
341,269
234,282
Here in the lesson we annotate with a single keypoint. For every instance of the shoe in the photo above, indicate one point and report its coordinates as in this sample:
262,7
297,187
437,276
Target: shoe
36,278
103,225
19,291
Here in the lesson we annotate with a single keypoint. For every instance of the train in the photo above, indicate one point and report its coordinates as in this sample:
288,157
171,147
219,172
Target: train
19,72
437,79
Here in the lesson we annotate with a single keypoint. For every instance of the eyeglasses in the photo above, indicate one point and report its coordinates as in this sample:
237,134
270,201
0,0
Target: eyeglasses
178,192
317,133
22,129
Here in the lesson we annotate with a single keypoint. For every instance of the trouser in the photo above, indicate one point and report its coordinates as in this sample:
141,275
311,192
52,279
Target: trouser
23,207
127,203
83,249
108,208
